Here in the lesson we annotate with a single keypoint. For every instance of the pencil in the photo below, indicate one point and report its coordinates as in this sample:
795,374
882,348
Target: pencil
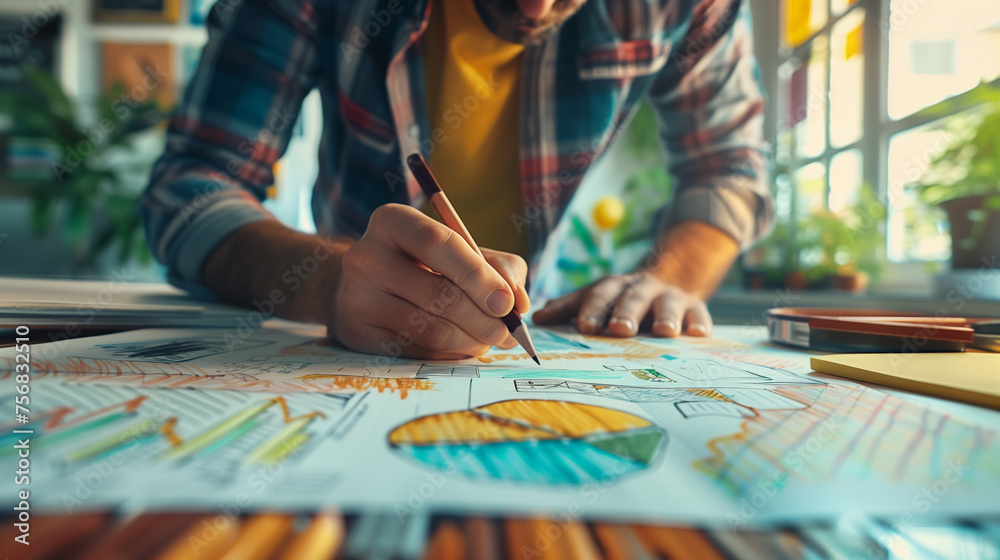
448,543
57,536
260,536
207,538
319,541
139,538
450,217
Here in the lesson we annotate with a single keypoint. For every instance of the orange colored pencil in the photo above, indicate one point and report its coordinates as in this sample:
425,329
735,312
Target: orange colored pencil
260,536
447,543
319,541
207,538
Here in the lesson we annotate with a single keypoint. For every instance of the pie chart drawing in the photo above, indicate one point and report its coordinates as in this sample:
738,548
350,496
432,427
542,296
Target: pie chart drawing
536,441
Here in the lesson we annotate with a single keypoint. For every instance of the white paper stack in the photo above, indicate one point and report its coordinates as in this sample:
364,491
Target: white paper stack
40,303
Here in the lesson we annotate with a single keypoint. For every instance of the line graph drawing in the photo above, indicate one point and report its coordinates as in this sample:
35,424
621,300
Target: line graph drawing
847,432
536,441
750,398
236,425
88,423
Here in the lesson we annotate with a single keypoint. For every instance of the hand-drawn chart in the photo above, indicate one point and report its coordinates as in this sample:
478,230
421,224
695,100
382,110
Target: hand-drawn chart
136,436
540,441
684,429
850,433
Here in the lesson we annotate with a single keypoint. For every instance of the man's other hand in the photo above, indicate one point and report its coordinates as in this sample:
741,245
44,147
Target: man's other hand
666,294
627,303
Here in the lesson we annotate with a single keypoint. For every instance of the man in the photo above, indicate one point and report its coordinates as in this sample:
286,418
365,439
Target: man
511,101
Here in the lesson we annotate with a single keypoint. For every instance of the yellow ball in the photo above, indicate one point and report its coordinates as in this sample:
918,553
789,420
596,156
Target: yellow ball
608,212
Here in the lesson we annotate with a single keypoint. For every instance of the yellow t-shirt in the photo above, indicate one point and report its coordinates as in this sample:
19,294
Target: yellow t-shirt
473,83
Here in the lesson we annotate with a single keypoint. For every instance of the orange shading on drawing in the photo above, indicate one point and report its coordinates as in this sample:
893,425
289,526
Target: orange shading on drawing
540,441
349,383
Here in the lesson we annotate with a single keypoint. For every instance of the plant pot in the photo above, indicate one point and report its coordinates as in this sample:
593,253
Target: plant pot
985,245
854,283
796,280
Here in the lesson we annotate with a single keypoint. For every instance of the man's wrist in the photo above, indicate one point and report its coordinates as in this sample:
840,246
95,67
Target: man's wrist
297,272
694,256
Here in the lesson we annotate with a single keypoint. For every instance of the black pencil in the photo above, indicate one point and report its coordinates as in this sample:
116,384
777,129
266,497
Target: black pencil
450,217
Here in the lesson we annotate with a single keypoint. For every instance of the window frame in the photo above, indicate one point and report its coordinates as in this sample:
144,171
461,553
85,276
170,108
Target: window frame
878,128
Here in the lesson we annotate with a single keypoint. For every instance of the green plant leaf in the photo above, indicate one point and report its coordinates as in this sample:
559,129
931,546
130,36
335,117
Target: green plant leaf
77,221
585,237
41,214
46,83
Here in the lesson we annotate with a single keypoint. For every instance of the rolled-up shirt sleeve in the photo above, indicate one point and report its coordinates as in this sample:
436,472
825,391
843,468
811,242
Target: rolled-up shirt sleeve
233,124
709,107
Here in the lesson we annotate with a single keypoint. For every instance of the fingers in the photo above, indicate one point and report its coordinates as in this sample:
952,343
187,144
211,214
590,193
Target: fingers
559,310
445,252
675,313
668,315
632,306
597,303
514,270
438,296
391,325
697,320
392,275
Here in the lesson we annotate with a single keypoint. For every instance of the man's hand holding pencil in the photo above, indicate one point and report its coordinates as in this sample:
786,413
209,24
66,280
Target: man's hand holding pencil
389,295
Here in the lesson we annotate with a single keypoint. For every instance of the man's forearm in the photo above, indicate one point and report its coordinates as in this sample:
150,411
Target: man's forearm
694,256
267,261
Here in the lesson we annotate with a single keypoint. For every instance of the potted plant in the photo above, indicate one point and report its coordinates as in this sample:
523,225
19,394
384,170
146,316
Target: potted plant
840,250
964,179
83,184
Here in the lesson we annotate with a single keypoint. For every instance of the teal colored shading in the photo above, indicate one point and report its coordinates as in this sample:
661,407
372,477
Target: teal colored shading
554,462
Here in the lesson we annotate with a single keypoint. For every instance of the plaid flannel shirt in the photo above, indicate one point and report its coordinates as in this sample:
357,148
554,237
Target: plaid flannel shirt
691,59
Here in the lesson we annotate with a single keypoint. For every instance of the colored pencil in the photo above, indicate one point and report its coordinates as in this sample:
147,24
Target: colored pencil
450,217
260,536
447,543
484,541
678,543
139,538
619,542
319,541
207,538
57,536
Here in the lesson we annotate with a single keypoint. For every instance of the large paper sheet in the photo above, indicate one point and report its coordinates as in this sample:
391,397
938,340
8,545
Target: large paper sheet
285,357
516,441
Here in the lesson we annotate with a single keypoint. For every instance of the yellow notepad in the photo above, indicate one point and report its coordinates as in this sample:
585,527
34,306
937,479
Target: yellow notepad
971,377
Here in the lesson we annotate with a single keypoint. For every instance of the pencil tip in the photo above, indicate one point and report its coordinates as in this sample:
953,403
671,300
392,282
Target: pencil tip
536,360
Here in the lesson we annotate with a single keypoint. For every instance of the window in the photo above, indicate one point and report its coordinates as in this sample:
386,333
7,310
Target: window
850,80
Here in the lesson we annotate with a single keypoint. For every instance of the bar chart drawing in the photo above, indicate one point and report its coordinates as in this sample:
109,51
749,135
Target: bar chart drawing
533,441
